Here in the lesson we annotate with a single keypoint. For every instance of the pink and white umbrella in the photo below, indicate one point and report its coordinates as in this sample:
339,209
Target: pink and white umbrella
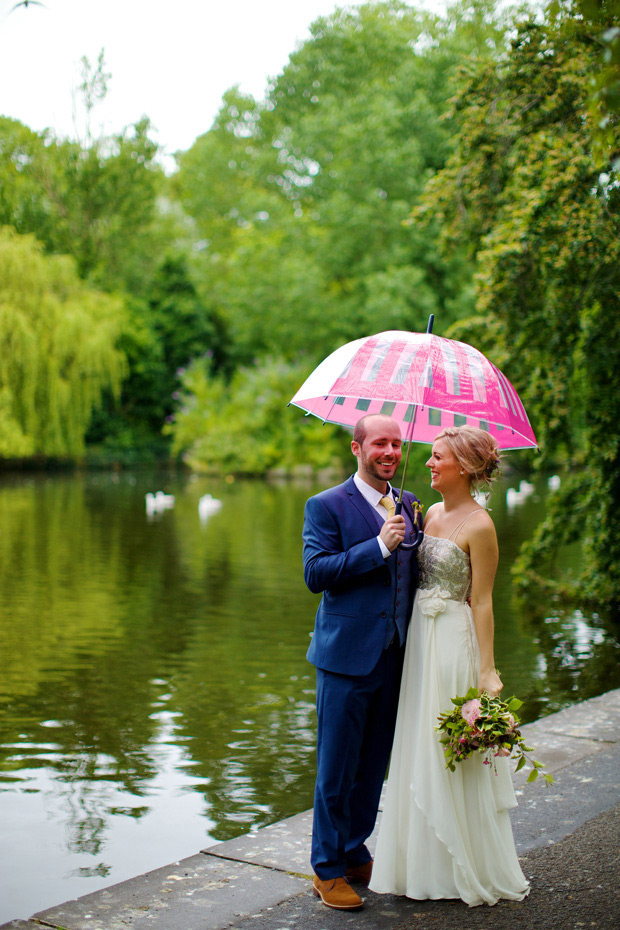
424,381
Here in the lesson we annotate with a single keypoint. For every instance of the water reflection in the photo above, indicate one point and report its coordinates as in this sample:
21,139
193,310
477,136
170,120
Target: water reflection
155,695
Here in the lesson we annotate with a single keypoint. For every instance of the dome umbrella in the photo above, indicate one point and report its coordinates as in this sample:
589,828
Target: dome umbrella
425,382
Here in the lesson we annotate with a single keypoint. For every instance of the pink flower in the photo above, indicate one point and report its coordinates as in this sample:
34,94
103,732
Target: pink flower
470,711
462,739
502,751
511,721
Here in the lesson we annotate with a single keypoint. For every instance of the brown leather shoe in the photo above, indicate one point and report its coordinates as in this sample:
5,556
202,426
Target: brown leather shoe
359,873
337,893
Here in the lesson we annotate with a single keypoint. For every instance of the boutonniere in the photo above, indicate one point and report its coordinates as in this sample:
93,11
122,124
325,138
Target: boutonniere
418,519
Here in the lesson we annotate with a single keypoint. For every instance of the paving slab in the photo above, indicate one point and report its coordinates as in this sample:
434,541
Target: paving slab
555,751
597,718
193,894
20,925
547,814
306,912
570,735
284,845
575,885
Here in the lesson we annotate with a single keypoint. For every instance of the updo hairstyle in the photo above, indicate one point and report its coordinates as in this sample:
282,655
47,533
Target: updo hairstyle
476,452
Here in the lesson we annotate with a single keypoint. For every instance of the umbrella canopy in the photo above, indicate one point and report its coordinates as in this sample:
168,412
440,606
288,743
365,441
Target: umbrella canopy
425,382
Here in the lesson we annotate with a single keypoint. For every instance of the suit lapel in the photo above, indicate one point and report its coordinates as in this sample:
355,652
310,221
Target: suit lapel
366,510
359,501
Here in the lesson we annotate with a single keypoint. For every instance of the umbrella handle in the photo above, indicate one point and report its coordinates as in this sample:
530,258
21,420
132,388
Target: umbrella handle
419,532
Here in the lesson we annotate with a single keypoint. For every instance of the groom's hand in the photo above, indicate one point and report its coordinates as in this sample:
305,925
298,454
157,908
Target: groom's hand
393,532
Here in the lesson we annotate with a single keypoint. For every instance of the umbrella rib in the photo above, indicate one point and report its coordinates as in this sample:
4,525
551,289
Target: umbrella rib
330,409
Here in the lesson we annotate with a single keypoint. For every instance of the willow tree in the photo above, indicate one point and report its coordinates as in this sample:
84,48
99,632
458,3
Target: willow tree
57,351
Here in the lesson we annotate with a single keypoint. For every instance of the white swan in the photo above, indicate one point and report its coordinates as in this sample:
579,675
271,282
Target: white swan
208,505
164,501
512,498
157,503
515,498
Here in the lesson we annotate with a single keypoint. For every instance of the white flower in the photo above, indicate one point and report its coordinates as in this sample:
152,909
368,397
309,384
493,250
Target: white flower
432,601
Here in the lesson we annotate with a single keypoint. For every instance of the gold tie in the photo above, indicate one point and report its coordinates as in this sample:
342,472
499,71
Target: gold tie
388,503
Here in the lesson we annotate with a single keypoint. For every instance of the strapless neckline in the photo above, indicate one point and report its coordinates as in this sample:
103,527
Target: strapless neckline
443,564
445,539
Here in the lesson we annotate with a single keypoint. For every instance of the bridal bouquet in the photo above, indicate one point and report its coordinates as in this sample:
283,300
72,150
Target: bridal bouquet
481,723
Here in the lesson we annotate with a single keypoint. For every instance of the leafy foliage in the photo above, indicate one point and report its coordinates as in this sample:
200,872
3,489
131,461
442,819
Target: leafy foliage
97,203
161,337
100,201
524,189
58,351
599,19
302,201
238,426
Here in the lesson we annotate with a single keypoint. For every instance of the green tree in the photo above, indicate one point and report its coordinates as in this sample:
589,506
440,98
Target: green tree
600,21
301,201
58,351
101,200
302,204
524,189
164,333
225,180
98,204
242,425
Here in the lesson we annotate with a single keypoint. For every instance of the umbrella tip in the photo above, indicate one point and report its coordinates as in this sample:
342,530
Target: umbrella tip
431,320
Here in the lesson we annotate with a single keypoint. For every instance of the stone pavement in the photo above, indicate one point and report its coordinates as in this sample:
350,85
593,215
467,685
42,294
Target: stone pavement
567,835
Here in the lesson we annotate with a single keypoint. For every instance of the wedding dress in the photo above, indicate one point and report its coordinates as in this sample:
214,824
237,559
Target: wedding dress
443,834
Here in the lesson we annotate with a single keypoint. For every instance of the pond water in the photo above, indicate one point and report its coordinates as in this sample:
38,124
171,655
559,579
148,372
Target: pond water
154,693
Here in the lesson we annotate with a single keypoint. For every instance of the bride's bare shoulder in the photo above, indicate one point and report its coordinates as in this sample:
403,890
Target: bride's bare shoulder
481,525
433,511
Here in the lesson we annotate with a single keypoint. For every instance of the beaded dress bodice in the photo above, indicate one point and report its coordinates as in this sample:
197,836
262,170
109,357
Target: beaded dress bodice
443,564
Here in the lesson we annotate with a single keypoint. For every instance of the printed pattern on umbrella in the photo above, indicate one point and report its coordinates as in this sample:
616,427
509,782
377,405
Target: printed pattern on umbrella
449,382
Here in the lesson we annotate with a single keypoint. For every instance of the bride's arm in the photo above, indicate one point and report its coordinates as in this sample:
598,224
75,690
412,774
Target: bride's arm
484,557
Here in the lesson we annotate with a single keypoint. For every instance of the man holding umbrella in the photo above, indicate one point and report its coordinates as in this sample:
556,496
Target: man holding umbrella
353,557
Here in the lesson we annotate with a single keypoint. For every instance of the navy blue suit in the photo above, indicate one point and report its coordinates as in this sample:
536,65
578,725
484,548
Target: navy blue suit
357,648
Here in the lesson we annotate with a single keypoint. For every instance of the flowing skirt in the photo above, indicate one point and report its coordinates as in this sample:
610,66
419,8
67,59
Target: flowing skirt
443,834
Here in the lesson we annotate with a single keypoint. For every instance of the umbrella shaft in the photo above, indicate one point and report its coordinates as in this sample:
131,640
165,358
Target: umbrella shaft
429,330
408,441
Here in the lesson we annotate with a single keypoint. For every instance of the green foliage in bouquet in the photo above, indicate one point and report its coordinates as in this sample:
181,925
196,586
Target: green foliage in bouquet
481,723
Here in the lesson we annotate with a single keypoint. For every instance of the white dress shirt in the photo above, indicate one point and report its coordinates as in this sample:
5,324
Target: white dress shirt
373,497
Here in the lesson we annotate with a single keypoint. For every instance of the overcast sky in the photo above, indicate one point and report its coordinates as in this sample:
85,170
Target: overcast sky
169,59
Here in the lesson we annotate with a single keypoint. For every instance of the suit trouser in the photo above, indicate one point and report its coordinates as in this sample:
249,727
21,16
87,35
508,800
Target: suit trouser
356,720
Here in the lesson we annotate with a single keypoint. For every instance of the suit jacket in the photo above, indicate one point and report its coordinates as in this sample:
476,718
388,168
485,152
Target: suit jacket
344,562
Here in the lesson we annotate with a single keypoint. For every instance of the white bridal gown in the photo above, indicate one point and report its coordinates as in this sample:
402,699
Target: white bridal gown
443,834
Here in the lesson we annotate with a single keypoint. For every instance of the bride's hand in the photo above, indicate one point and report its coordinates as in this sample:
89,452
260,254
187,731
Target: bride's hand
490,682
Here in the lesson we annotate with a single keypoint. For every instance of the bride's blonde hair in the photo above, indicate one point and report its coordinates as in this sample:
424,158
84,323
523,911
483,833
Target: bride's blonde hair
476,452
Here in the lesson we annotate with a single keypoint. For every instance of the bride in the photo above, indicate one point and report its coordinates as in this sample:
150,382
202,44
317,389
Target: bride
447,834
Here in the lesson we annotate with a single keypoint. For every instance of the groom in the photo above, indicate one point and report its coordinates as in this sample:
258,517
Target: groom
351,556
